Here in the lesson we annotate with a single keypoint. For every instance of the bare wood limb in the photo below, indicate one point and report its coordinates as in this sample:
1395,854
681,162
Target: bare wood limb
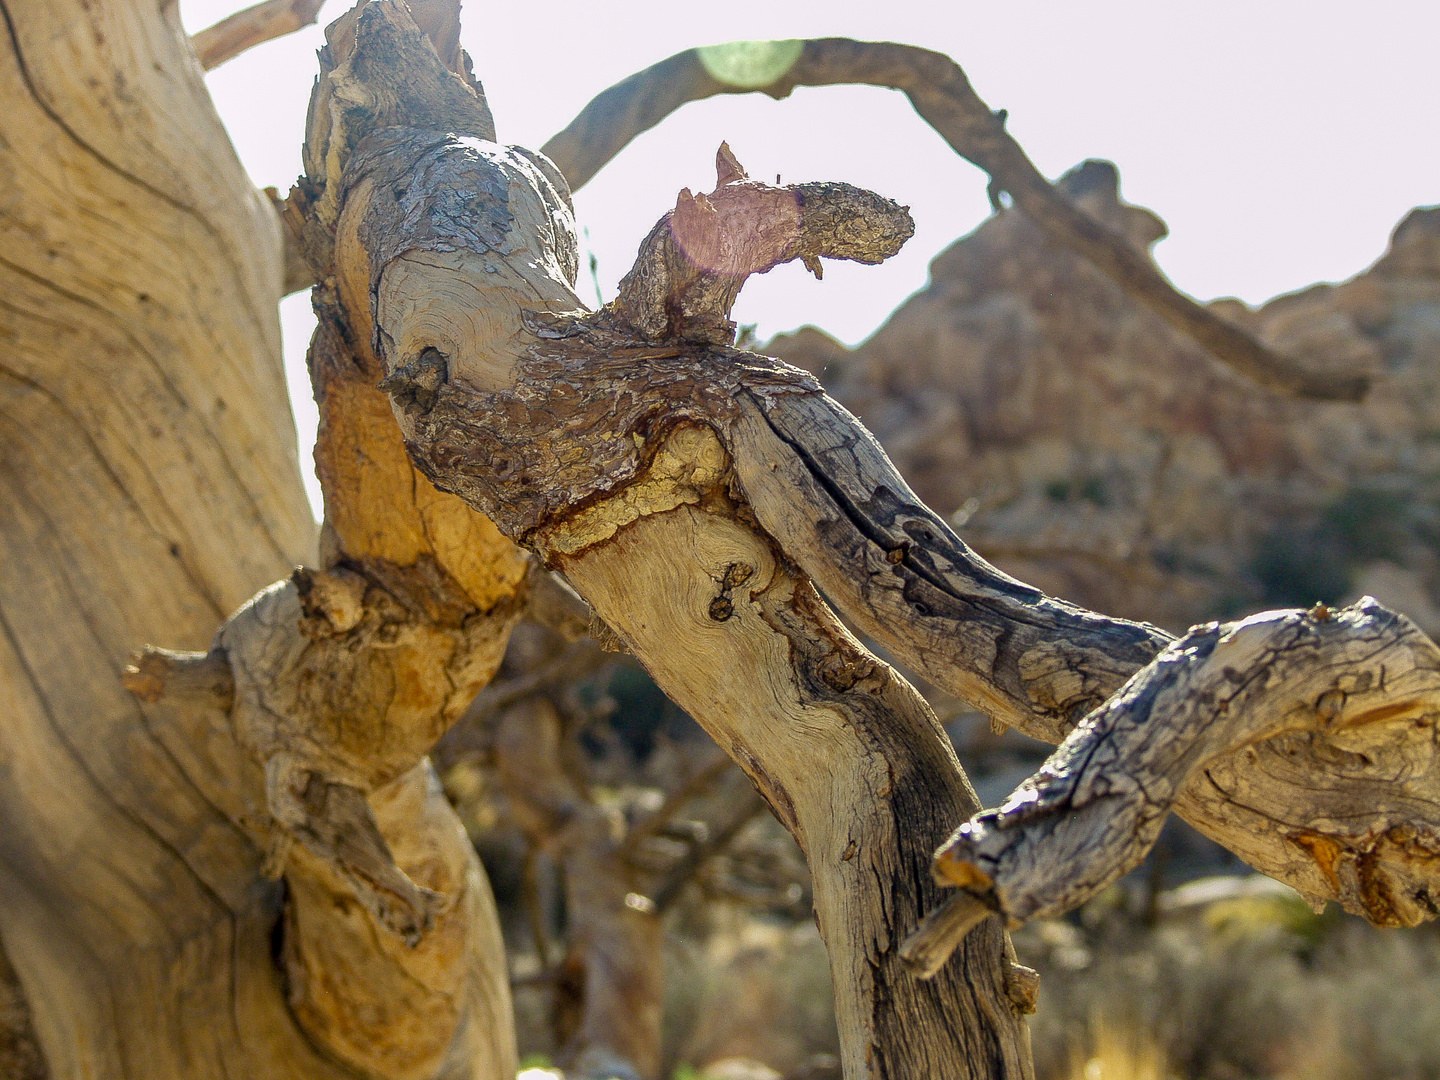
812,477
155,673
940,933
1354,691
596,446
253,26
346,675
942,95
898,570
298,272
1306,740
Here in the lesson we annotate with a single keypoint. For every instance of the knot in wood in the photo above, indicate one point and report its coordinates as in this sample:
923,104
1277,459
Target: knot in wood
414,387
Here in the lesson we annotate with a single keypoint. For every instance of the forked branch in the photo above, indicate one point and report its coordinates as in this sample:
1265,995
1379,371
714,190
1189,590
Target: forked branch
942,95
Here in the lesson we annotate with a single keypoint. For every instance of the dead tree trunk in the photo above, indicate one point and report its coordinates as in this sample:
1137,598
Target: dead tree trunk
687,490
592,439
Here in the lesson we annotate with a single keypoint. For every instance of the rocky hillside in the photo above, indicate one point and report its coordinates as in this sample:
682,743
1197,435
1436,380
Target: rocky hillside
1084,446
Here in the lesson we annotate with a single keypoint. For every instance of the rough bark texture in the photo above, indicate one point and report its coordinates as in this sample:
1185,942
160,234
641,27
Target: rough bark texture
1311,736
690,491
942,95
692,452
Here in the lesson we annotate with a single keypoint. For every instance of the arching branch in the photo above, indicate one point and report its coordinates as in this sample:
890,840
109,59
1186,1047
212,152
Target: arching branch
942,95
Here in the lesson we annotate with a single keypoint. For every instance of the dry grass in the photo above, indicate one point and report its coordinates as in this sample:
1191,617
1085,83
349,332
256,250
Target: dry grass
1113,1053
1253,987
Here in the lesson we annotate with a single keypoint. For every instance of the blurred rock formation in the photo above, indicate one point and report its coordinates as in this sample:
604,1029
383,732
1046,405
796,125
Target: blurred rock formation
1084,446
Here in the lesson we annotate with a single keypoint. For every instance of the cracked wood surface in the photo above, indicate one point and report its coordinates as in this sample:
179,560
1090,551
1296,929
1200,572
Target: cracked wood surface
1306,741
661,470
150,484
689,489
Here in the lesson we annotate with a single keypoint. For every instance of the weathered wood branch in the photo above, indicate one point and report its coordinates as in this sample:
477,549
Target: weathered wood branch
898,570
942,95
687,490
1306,738
154,674
252,26
693,263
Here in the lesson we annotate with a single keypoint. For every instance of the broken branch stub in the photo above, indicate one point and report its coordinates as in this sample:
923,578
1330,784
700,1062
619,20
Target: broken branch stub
693,263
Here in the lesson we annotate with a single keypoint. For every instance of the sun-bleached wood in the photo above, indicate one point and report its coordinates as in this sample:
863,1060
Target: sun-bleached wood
691,491
1312,735
568,430
150,484
632,443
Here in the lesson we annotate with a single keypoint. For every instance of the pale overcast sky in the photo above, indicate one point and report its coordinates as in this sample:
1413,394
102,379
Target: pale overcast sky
1280,140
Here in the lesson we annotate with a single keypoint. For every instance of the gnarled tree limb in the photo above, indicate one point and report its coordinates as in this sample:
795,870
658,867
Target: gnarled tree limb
1306,739
690,492
942,95
344,676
